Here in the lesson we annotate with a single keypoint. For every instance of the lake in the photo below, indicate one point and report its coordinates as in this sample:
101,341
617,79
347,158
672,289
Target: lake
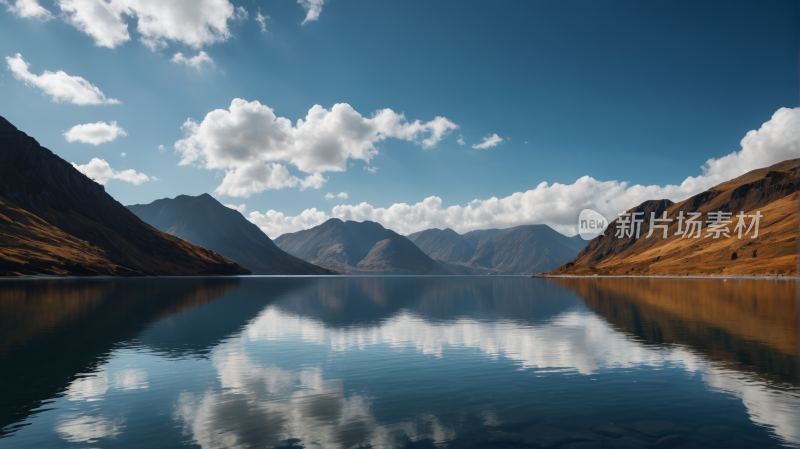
344,362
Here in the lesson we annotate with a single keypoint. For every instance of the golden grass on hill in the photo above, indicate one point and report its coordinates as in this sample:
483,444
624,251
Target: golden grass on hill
772,191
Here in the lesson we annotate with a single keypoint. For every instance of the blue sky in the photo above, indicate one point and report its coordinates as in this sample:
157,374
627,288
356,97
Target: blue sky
644,92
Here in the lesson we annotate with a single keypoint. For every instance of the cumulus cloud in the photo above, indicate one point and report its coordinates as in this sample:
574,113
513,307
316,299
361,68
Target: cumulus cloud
461,140
28,9
254,178
162,148
95,133
59,85
275,223
488,142
248,141
124,155
341,196
262,20
240,207
198,62
558,204
370,169
313,9
196,23
102,173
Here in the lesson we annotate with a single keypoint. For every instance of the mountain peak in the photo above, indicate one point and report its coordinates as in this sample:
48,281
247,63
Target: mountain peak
199,219
358,247
39,187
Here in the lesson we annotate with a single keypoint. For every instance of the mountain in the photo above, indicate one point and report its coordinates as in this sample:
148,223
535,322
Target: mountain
55,220
524,250
204,221
475,238
359,248
444,245
771,191
520,250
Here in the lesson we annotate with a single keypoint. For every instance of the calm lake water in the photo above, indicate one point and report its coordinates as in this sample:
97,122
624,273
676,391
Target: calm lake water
347,362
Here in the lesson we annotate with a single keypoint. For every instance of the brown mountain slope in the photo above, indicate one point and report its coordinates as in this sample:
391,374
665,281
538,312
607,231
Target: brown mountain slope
58,221
772,191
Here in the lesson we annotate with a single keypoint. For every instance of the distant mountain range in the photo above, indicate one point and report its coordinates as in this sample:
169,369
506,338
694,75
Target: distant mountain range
54,220
204,221
772,191
526,249
350,247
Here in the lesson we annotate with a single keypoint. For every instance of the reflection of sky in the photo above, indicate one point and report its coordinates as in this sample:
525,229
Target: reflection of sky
247,393
88,429
573,340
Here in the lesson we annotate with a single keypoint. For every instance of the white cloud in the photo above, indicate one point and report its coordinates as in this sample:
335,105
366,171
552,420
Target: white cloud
198,62
370,169
95,133
557,204
461,140
262,20
124,155
275,223
526,142
241,208
341,196
240,14
59,85
248,140
254,178
28,9
488,142
162,148
193,23
102,173
313,9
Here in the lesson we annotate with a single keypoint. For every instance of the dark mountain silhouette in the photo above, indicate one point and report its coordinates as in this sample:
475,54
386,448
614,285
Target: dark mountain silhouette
55,220
359,248
204,221
772,191
519,250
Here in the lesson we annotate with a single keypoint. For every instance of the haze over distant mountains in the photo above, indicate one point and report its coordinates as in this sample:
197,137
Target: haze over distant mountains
771,191
54,220
526,249
359,248
204,221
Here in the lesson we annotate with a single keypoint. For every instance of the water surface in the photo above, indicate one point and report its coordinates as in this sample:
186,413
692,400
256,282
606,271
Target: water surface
260,362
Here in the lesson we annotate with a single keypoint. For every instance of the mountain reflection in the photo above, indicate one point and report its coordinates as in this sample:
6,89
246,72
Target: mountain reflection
52,331
496,320
752,325
394,361
361,301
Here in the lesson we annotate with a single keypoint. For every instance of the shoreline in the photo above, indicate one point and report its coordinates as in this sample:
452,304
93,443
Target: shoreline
673,276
